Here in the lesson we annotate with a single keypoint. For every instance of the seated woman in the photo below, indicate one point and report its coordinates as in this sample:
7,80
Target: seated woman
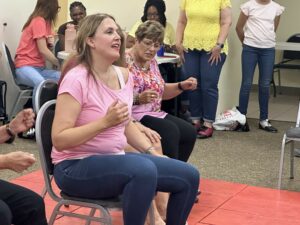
154,10
178,136
92,126
35,46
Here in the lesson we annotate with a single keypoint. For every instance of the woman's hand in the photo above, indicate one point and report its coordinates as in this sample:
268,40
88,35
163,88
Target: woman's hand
147,96
152,135
215,56
181,50
189,84
117,113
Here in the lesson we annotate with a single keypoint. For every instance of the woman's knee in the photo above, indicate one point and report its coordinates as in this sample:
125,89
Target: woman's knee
141,167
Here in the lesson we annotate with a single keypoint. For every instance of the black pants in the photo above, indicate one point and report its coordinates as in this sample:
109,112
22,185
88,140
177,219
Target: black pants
177,136
20,206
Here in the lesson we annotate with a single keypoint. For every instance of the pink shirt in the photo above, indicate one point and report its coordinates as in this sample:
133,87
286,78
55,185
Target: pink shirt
28,53
146,80
95,98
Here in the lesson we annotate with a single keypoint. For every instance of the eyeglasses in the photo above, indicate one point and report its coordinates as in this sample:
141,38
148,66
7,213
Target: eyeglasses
148,44
152,15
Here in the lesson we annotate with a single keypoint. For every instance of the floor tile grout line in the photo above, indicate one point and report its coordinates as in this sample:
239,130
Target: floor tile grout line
224,203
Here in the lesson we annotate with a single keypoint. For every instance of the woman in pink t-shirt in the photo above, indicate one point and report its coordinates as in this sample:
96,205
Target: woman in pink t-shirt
92,126
35,46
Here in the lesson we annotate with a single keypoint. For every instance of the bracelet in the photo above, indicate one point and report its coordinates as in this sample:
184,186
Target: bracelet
180,87
10,133
136,100
149,150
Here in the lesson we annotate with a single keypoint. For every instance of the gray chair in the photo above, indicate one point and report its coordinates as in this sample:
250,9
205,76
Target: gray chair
19,94
43,137
45,91
290,136
290,60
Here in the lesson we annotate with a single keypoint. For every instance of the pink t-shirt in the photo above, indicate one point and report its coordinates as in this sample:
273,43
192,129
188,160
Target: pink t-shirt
146,80
95,98
28,53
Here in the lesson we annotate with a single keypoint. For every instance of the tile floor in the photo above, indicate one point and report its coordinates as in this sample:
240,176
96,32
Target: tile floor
282,108
221,203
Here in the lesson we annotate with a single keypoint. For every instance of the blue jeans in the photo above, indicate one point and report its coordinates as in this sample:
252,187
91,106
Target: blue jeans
252,56
32,76
203,100
136,177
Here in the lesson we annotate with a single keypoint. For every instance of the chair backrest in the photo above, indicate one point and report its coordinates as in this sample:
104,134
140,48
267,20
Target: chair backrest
292,54
8,57
46,91
43,129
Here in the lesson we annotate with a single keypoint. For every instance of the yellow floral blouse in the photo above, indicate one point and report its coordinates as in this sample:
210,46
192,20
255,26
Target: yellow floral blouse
203,23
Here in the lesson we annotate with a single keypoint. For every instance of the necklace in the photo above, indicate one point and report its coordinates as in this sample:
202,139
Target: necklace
144,67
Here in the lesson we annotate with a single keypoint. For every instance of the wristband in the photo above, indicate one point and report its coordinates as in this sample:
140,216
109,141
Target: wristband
180,87
149,150
10,133
136,100
220,45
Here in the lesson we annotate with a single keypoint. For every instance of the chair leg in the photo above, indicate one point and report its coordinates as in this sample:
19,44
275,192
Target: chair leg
281,161
92,213
292,161
279,82
274,86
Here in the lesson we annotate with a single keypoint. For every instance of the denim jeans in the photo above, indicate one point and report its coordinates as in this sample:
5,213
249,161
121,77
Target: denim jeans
32,76
264,57
203,100
136,177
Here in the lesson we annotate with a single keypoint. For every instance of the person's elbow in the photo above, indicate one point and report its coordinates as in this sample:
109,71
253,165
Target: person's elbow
58,143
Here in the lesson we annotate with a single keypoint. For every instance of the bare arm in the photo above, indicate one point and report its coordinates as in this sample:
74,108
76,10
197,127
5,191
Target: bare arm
276,22
225,23
240,26
181,24
137,140
22,122
174,89
44,50
66,135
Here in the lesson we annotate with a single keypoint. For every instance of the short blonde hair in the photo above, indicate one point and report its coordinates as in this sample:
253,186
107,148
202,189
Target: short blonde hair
152,30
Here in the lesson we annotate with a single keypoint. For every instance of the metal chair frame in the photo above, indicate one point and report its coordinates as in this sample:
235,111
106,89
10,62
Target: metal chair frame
43,138
23,92
288,61
289,139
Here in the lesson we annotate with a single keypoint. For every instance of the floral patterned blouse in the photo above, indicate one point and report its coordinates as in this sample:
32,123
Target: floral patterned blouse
150,79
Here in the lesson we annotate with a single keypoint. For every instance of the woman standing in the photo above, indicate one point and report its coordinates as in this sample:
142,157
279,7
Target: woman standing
35,46
202,29
256,29
154,10
177,136
92,125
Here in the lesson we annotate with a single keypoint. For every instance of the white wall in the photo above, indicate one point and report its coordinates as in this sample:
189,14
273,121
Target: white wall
127,12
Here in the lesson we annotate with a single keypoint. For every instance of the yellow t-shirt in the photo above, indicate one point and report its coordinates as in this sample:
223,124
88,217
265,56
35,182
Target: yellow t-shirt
203,23
169,38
